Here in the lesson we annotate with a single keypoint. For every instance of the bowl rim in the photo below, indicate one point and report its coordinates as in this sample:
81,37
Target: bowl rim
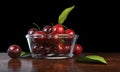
39,35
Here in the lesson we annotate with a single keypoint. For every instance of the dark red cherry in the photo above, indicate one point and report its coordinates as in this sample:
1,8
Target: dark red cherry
39,37
59,29
70,36
47,29
38,49
69,31
78,49
14,51
67,48
48,49
60,49
39,32
32,30
56,39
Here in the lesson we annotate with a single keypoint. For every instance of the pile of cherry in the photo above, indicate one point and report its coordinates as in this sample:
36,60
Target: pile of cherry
51,39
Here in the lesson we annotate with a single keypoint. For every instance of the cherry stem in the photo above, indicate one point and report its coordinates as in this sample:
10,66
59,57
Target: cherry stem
52,24
36,25
65,27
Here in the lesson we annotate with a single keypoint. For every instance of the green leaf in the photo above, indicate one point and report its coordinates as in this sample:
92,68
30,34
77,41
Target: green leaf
64,14
25,54
91,59
22,53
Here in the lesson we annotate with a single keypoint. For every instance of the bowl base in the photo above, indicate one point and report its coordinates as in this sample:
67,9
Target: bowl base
56,57
51,56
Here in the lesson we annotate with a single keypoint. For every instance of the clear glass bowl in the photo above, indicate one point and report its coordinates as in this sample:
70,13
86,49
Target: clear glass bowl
52,46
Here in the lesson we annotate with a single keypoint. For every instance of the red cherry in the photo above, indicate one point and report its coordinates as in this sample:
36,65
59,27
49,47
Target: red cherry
39,37
59,29
32,30
48,49
37,49
55,39
78,49
60,48
14,51
69,31
67,48
39,32
47,29
70,37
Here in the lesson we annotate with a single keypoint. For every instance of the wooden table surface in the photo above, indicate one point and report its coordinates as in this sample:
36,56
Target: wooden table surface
66,65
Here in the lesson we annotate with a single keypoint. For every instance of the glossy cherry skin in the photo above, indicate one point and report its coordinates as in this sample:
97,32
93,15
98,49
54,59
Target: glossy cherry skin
78,49
47,29
69,31
53,38
67,48
59,29
38,49
48,49
39,32
60,49
32,30
14,51
39,37
70,37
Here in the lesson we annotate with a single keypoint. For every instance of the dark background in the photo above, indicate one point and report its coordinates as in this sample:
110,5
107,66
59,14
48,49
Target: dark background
93,21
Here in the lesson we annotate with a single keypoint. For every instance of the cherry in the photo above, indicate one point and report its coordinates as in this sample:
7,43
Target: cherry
70,37
38,49
48,49
78,49
67,48
39,32
47,29
55,39
32,30
69,31
39,37
60,49
14,51
48,41
59,29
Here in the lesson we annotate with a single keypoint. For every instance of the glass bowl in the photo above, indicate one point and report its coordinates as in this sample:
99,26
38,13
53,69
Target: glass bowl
51,46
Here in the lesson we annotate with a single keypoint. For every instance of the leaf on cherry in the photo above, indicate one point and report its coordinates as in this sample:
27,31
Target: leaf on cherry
91,59
64,14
